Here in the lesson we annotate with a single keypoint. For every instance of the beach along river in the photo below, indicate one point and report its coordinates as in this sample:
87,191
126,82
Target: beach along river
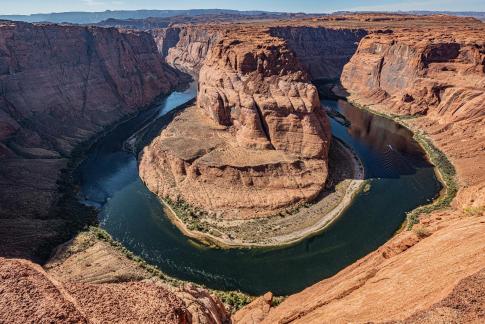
400,178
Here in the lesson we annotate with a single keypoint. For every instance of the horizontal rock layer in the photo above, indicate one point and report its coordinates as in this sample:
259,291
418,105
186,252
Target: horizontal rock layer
59,86
439,75
186,47
262,144
322,51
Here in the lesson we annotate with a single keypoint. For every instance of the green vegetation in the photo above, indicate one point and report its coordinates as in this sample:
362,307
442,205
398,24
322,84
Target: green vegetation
234,299
421,231
189,215
277,300
474,211
447,174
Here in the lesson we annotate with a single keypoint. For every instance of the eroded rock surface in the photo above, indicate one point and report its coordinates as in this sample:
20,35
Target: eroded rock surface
407,275
29,294
322,51
59,86
186,47
442,78
257,141
87,262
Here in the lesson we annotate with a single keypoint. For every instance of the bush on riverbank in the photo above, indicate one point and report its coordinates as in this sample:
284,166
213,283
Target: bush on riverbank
447,173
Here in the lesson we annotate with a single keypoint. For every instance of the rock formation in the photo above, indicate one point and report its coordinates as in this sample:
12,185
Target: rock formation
60,86
435,272
29,294
322,51
186,47
97,264
442,78
407,275
257,142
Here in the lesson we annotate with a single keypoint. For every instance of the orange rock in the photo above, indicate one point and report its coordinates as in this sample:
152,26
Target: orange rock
254,312
262,145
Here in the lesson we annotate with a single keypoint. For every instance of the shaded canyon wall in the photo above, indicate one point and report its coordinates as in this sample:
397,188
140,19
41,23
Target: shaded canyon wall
59,86
322,51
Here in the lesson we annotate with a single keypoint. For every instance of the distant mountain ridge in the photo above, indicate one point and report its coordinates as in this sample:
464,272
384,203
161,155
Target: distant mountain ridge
162,22
475,14
96,17
85,17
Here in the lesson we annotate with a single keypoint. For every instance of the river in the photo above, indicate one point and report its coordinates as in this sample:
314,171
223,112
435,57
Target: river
400,179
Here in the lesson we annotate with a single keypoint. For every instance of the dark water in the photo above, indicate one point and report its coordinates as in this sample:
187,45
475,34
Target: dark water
401,179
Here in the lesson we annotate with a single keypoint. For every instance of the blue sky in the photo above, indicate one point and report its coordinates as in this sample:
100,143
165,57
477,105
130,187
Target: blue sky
43,6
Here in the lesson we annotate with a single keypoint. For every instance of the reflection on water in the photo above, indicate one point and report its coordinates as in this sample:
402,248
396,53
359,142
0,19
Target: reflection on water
400,180
386,145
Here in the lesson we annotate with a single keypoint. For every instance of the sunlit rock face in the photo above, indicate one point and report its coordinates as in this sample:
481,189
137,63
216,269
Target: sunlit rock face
436,74
262,134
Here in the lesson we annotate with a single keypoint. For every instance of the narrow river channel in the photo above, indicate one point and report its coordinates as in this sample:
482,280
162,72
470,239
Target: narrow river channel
399,175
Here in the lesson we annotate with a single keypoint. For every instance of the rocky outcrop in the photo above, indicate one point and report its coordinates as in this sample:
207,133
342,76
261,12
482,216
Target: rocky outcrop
186,47
322,51
29,294
87,262
407,275
59,86
438,73
431,273
442,78
257,141
259,88
255,311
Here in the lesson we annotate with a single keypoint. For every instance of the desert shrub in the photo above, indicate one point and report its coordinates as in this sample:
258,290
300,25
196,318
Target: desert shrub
234,299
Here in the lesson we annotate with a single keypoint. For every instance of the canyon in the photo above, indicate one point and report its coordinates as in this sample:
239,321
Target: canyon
254,94
91,78
257,126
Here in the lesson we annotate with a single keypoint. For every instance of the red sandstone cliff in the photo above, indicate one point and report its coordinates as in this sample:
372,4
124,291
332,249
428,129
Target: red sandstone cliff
186,47
440,75
258,140
59,86
435,272
322,51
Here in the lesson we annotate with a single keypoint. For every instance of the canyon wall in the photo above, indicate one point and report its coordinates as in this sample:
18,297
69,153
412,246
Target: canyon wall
59,86
186,47
437,75
434,77
322,51
262,140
